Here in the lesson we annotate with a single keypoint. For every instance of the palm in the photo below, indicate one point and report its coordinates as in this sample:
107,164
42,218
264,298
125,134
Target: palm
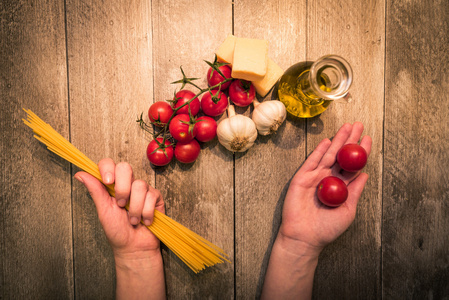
309,220
123,236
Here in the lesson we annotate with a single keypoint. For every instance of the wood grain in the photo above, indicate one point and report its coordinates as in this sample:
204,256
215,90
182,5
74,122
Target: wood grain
415,243
110,84
90,68
263,172
200,195
350,267
35,204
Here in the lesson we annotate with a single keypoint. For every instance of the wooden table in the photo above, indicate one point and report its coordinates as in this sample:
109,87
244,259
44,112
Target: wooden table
89,68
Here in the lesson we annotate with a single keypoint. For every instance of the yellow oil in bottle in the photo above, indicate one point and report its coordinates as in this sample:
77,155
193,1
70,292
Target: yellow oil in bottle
296,93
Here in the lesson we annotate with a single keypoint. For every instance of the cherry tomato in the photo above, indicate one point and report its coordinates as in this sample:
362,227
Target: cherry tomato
159,155
352,157
181,128
214,78
187,152
214,106
332,191
184,96
205,129
159,113
242,92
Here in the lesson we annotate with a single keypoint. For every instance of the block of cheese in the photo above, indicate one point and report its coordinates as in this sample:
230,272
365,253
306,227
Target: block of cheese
225,52
250,59
264,85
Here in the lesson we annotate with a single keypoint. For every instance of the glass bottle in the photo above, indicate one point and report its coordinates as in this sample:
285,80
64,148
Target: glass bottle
308,88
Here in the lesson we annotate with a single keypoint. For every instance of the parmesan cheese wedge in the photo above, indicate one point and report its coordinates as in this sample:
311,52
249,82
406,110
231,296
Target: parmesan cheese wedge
264,85
250,59
225,53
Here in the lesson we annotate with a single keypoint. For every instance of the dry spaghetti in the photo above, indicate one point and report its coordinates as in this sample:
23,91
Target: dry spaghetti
196,252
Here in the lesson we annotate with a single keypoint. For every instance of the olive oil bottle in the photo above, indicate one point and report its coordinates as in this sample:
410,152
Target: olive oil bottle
308,88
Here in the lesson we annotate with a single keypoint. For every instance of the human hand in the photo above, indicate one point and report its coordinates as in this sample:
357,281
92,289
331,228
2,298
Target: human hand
126,235
307,224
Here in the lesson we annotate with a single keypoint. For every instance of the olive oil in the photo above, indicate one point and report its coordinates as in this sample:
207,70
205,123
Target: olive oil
295,92
308,88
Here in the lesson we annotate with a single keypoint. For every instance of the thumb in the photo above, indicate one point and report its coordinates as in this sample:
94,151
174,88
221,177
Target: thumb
96,190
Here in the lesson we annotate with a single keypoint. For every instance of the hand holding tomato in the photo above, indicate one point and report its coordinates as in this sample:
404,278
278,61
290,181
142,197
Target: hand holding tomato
307,222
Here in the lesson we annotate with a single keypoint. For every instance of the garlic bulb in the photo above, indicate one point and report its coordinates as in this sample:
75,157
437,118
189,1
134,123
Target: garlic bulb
268,116
237,133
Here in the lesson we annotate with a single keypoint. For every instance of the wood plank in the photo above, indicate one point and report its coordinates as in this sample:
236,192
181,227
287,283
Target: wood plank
110,84
350,267
263,172
35,204
415,243
199,196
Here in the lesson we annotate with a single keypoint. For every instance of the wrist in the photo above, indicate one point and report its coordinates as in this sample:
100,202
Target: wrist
290,270
296,247
140,275
137,260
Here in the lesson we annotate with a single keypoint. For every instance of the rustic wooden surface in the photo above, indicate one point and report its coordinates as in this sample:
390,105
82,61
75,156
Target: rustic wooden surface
90,68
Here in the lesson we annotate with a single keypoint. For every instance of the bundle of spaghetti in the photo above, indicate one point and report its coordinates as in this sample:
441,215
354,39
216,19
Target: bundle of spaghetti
195,251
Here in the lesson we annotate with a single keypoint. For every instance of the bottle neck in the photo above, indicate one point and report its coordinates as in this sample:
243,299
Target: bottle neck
329,78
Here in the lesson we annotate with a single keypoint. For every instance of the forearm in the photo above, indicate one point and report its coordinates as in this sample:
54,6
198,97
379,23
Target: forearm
290,271
140,277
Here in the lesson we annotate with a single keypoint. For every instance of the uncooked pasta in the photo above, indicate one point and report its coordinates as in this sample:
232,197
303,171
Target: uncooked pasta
196,252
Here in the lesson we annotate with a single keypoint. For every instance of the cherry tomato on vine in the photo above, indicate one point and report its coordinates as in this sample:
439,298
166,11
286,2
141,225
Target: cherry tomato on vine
184,96
352,157
158,153
187,152
214,105
205,129
332,191
214,78
242,92
160,113
181,128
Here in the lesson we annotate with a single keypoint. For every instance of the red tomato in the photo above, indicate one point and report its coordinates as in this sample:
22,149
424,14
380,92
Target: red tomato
184,96
352,157
159,113
205,129
216,105
181,129
242,92
332,191
187,152
214,78
159,155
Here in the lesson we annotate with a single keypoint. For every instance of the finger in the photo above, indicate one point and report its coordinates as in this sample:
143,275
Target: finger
139,191
356,133
152,198
315,157
339,140
366,143
355,189
123,181
97,191
107,170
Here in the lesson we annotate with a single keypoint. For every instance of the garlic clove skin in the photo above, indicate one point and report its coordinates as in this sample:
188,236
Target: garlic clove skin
268,116
237,133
